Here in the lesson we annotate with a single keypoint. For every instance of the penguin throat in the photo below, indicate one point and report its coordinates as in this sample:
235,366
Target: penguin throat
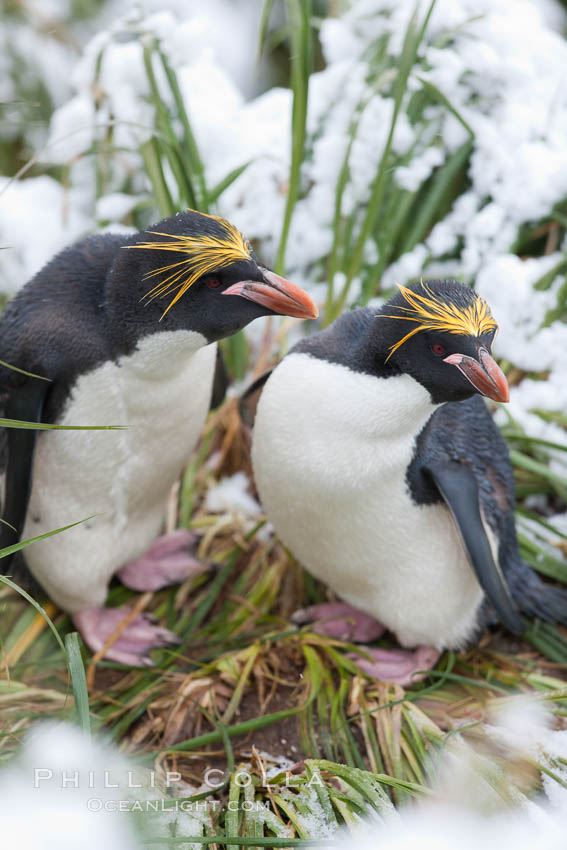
338,397
404,406
165,352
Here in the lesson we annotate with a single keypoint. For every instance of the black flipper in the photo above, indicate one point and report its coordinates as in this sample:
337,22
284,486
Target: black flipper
25,403
221,380
458,486
248,401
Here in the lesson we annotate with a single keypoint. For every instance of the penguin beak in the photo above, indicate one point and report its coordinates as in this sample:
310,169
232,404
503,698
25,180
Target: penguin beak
277,294
484,374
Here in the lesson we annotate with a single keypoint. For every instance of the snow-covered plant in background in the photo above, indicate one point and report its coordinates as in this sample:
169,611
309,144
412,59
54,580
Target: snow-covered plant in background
34,67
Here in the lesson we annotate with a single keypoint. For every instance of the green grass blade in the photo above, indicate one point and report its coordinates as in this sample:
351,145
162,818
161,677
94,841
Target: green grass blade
191,149
16,547
222,185
78,680
437,94
43,426
36,605
263,29
558,483
236,350
299,14
441,188
548,640
237,729
342,183
544,282
152,162
169,143
23,371
232,813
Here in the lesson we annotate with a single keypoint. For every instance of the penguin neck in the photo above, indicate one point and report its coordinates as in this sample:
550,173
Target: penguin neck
166,341
405,404
401,408
339,399
164,353
382,400
372,351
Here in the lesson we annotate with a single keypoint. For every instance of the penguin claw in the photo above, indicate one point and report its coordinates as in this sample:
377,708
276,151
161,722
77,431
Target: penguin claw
167,561
339,620
401,666
135,641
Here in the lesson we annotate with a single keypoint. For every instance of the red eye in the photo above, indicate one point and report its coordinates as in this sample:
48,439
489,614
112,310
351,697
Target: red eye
213,283
438,349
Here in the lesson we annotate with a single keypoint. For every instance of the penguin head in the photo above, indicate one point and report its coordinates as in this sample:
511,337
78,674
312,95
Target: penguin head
197,272
440,333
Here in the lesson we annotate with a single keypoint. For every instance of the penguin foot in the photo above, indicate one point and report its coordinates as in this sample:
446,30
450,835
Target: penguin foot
402,666
339,620
168,561
133,644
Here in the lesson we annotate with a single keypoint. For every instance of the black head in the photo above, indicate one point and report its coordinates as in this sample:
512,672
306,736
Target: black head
197,272
440,332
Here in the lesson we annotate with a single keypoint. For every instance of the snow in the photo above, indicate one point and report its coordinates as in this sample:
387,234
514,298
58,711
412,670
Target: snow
232,495
42,810
115,207
38,217
33,57
411,176
443,828
71,130
64,790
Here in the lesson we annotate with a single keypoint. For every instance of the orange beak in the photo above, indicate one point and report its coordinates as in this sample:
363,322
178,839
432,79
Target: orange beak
277,294
484,374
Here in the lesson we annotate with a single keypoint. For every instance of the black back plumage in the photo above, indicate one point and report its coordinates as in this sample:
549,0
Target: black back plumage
55,325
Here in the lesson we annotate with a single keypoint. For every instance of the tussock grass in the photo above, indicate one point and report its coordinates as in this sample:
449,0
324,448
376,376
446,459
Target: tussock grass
245,685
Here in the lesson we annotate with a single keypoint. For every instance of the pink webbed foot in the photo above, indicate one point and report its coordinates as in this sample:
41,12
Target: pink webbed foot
168,561
340,620
132,646
402,666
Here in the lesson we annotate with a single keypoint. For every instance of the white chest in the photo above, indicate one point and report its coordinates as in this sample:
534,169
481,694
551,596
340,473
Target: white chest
331,447
161,393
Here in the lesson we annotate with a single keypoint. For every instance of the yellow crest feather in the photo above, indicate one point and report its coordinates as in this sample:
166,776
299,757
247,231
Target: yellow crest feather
432,313
205,252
